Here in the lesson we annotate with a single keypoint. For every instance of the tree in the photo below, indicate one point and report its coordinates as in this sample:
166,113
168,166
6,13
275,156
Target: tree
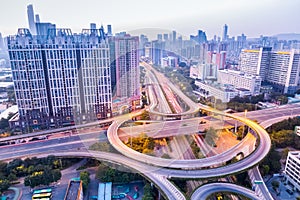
166,156
148,193
210,136
145,116
285,153
4,185
4,124
266,169
44,177
275,184
182,64
85,178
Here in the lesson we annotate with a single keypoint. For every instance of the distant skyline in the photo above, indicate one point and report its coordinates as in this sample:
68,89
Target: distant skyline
251,17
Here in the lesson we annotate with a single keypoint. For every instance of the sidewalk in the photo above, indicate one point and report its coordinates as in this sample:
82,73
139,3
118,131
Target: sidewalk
17,191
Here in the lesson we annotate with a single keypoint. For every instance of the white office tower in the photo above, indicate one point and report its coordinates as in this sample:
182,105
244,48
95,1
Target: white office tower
62,74
284,71
127,66
61,79
240,80
255,62
27,64
95,75
292,169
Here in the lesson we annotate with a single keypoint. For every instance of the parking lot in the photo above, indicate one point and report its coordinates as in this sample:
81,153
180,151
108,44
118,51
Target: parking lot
283,190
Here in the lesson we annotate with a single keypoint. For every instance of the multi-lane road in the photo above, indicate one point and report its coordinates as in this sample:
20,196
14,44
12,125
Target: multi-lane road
75,146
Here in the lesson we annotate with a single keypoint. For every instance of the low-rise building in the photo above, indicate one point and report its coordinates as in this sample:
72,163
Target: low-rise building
218,91
104,191
240,80
292,169
74,191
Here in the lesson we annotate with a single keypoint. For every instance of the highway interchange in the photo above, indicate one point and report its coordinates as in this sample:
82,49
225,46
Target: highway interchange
156,169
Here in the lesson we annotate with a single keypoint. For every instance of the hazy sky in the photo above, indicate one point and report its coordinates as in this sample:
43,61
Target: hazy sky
252,17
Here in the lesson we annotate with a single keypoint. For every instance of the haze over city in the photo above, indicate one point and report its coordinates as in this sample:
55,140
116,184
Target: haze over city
253,18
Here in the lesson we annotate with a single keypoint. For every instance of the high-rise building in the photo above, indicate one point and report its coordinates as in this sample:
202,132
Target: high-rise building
159,37
241,42
225,33
200,38
37,18
109,30
284,71
127,66
157,51
292,169
62,79
204,72
1,42
112,56
142,45
279,68
203,53
166,36
255,62
217,58
31,21
174,37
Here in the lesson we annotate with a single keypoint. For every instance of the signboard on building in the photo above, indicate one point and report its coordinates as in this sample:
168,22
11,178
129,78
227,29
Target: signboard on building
297,130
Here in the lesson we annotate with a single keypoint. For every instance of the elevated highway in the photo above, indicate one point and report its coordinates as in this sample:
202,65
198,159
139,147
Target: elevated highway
156,170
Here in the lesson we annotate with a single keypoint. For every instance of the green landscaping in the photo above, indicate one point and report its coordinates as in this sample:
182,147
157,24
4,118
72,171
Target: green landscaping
116,174
37,171
282,136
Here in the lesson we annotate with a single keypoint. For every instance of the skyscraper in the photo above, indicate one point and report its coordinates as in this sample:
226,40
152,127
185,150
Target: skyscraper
284,71
31,21
62,79
157,50
37,18
166,36
174,37
159,37
200,37
280,69
109,30
1,42
255,62
225,33
127,66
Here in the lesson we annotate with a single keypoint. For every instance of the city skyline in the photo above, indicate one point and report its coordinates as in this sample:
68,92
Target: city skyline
253,18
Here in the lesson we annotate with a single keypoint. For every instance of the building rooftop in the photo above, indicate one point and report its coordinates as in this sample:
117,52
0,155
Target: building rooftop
73,190
12,109
104,191
240,73
6,84
295,154
242,89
